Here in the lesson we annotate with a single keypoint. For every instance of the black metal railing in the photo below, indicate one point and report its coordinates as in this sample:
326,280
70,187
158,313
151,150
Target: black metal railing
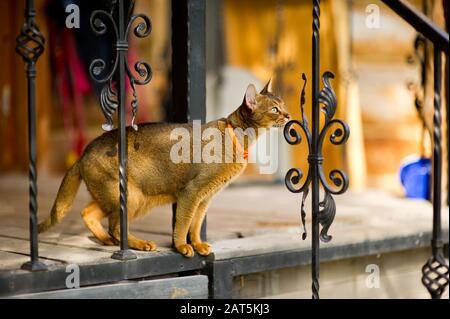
323,100
30,45
435,271
121,23
188,68
420,22
188,88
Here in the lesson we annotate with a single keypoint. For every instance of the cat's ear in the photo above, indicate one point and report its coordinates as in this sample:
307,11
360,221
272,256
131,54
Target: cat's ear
267,88
250,97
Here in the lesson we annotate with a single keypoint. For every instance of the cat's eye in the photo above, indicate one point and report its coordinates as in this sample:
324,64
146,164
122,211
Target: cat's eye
275,110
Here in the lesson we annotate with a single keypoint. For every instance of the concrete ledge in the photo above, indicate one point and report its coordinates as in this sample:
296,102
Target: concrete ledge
190,287
101,271
260,255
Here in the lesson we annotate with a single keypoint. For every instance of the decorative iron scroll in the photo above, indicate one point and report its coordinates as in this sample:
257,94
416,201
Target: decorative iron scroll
323,101
435,275
339,135
112,97
99,73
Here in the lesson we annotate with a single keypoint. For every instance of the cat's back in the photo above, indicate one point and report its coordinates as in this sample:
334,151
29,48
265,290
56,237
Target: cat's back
147,132
152,141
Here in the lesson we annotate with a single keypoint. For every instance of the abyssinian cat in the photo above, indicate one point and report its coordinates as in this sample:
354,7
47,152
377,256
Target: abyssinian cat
153,179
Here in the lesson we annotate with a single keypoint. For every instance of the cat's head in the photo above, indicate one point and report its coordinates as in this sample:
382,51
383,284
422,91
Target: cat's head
264,109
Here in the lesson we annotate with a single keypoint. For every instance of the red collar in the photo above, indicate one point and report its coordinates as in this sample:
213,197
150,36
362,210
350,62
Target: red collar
236,144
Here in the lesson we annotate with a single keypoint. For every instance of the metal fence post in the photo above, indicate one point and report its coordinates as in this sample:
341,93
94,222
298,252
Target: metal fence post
112,100
188,66
323,101
435,271
30,45
314,158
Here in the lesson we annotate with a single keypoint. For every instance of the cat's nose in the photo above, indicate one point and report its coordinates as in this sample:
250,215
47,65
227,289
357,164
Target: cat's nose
287,118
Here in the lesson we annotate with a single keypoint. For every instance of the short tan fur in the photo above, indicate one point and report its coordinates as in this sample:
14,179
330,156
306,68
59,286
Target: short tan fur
153,179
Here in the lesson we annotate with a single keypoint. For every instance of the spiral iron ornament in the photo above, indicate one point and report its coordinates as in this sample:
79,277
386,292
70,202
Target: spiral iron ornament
323,102
100,21
435,271
338,132
113,94
435,275
30,42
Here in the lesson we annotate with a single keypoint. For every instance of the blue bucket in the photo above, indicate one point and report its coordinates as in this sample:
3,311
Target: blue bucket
415,176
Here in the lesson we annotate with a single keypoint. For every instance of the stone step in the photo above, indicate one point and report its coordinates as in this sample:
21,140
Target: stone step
189,287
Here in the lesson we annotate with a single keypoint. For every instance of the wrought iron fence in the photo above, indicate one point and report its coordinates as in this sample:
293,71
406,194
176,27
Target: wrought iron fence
188,89
187,19
120,70
30,45
435,271
323,100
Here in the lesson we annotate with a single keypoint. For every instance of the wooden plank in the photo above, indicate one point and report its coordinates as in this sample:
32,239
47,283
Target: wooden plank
11,260
346,245
84,240
362,217
190,287
271,224
70,254
264,244
98,271
53,252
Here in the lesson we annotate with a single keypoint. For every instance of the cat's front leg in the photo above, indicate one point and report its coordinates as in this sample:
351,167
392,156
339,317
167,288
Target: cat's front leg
201,247
186,208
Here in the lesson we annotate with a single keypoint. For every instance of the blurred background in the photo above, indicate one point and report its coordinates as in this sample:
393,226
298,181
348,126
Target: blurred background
377,78
379,66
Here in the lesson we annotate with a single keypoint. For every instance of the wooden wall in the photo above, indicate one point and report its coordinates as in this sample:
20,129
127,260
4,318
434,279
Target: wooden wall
391,128
250,30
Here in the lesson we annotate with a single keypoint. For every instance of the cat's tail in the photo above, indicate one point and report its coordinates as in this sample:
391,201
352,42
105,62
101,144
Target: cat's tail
64,199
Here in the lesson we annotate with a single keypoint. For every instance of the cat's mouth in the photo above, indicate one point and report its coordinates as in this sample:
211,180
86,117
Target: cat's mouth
279,125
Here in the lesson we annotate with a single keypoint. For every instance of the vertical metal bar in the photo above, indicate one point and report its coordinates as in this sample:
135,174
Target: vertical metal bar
32,173
196,59
314,158
188,66
426,51
179,70
220,282
197,67
121,18
188,60
122,47
446,4
30,44
437,154
179,61
323,101
435,271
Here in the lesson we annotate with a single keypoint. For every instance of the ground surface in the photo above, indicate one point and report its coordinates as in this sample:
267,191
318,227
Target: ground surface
241,221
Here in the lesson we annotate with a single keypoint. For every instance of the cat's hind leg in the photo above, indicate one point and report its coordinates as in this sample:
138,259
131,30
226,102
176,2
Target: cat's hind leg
133,242
92,215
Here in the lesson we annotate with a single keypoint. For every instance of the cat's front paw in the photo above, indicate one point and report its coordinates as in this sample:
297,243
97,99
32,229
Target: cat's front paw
186,250
203,248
